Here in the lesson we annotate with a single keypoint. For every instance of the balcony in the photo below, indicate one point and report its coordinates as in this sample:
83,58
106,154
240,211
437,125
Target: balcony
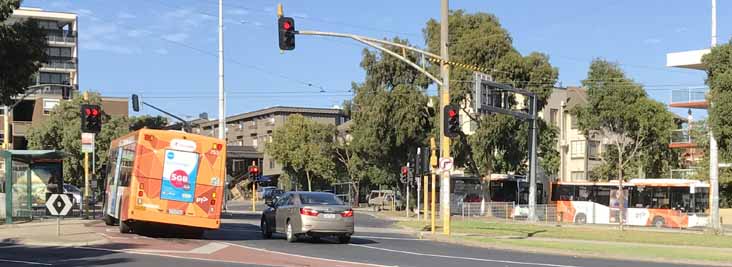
682,138
20,128
65,63
60,36
689,98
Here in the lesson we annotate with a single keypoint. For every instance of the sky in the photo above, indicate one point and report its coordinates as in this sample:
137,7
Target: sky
166,50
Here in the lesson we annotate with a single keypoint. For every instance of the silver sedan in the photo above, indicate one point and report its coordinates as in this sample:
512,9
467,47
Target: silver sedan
314,214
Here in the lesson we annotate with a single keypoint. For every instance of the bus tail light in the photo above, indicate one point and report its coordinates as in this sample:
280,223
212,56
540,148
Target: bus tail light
213,202
347,213
149,137
139,193
308,212
217,146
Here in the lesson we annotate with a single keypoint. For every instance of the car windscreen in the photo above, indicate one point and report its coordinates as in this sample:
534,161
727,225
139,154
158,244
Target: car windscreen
320,199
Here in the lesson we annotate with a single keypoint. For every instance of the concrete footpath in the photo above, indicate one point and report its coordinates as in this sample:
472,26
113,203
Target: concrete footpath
74,232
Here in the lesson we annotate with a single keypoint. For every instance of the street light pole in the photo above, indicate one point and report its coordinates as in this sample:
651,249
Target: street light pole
713,147
222,101
444,101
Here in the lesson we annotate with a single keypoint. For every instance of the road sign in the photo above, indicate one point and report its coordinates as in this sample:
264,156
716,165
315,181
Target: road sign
87,142
446,164
59,204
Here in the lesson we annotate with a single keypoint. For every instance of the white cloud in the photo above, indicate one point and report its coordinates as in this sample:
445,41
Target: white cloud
84,12
237,11
161,51
126,15
176,37
105,47
138,33
652,41
300,15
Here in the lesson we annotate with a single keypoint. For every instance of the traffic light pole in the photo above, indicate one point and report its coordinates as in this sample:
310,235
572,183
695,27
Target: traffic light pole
443,83
444,101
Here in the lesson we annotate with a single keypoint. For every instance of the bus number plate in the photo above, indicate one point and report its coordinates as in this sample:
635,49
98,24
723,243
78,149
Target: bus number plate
175,211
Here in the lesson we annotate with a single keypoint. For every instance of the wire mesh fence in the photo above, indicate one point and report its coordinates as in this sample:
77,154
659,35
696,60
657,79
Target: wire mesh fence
508,211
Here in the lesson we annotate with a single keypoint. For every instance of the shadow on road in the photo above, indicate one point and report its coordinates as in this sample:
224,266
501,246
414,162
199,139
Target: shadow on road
14,254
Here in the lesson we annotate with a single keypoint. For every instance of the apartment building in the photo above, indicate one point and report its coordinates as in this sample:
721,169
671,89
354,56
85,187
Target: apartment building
60,69
247,133
579,154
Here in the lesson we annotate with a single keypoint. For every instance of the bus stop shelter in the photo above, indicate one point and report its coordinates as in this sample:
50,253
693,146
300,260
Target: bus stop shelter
19,193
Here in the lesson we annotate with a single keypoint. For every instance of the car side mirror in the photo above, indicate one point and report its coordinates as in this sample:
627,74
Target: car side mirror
269,202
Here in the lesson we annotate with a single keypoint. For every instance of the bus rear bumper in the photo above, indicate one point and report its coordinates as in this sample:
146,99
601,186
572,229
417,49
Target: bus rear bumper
141,214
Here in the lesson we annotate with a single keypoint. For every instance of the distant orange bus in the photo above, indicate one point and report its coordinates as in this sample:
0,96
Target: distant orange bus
165,177
675,203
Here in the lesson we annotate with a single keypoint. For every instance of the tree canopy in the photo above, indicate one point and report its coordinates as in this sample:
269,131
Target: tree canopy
62,131
22,49
146,121
719,80
499,143
637,127
305,149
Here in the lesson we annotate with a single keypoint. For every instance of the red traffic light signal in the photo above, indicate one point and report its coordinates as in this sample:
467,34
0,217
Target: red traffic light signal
451,120
91,118
253,170
286,33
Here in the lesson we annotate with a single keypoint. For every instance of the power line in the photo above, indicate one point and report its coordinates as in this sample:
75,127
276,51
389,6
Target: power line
228,59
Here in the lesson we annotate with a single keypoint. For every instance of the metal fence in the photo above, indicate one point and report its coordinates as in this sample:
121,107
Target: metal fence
508,211
688,95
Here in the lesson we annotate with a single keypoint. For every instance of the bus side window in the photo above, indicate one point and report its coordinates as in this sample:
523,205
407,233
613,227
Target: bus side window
112,165
125,168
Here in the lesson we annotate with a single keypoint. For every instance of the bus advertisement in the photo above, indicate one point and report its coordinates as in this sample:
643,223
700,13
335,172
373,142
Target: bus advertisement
675,203
165,177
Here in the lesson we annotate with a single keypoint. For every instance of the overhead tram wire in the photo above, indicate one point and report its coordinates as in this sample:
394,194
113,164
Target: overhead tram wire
228,59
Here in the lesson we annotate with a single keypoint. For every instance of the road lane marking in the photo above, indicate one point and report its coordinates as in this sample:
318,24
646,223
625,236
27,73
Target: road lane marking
307,257
26,262
209,248
389,238
462,258
158,255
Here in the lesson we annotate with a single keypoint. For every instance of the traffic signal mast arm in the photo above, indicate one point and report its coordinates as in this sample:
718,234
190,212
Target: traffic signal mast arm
136,104
379,44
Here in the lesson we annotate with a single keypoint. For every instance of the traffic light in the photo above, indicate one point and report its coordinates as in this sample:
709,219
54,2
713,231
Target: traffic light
405,171
253,171
451,116
91,118
135,103
65,93
286,29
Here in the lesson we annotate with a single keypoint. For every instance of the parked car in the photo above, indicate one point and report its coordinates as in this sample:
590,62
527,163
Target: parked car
75,191
313,214
262,191
383,199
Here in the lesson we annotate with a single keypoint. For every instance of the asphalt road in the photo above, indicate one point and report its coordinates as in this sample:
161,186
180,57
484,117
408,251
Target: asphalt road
392,249
17,255
376,243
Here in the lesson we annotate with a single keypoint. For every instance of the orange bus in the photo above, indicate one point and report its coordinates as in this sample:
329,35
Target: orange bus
165,177
677,203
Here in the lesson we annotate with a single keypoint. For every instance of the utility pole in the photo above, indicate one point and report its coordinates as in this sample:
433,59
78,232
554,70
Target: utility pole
444,101
713,148
222,101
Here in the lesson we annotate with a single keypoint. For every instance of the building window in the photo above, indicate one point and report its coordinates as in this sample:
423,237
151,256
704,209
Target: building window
48,105
554,117
574,121
254,139
271,164
594,148
58,51
577,176
578,149
54,78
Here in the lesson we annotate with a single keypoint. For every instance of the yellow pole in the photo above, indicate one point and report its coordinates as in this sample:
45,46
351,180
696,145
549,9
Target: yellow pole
254,196
426,197
86,185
